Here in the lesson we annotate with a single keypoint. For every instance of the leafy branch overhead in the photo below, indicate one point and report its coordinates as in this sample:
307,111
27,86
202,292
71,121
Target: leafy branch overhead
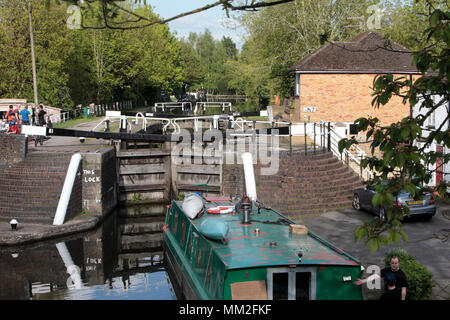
406,155
119,14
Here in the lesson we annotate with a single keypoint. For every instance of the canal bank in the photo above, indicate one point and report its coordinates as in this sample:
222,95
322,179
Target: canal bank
33,181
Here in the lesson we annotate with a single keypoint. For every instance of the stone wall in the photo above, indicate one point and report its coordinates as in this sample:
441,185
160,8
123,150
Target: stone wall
99,181
13,148
233,181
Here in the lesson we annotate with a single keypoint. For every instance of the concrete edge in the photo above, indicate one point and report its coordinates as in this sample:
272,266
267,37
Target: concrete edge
17,238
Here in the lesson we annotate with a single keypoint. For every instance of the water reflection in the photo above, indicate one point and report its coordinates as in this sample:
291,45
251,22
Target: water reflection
122,259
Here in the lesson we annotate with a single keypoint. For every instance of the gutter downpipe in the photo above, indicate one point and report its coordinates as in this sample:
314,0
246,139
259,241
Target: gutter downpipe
66,192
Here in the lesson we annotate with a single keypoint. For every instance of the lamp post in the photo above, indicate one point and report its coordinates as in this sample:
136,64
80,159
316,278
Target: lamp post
33,59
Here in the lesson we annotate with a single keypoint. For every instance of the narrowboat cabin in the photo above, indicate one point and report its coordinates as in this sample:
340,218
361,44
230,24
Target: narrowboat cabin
233,250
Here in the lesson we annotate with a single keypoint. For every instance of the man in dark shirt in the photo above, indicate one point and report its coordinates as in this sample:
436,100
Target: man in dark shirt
392,292
394,269
41,115
400,277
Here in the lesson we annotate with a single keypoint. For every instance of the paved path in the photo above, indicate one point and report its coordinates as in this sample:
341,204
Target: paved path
71,144
427,241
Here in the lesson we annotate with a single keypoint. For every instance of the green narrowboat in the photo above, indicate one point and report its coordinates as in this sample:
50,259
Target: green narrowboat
264,256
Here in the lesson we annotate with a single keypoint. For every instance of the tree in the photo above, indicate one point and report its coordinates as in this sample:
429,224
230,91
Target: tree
405,22
191,66
249,76
211,58
76,66
404,162
289,32
231,51
52,47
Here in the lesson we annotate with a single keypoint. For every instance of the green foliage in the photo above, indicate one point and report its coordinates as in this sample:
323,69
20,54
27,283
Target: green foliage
405,22
420,279
77,66
208,63
136,197
282,35
403,161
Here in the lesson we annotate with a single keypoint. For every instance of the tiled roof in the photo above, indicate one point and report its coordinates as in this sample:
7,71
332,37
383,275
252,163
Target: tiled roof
369,52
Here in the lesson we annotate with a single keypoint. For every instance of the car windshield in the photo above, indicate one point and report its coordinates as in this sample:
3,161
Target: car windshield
403,192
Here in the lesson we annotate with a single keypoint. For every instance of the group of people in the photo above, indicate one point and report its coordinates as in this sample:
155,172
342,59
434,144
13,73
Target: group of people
17,116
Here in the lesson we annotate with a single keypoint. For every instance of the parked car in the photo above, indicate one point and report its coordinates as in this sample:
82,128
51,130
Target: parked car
425,207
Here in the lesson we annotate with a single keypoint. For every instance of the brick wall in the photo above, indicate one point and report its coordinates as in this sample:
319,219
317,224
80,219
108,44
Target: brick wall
304,184
13,148
345,98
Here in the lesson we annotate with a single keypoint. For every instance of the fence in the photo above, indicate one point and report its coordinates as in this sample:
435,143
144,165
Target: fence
308,136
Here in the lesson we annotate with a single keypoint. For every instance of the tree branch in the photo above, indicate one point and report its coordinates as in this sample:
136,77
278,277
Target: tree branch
227,4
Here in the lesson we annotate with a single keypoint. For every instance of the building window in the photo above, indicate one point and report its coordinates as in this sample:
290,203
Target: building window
353,128
287,283
297,84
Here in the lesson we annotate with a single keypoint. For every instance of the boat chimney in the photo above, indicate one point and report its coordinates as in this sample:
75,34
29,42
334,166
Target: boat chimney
247,209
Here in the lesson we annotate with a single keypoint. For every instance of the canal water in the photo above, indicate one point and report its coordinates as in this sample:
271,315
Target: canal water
103,264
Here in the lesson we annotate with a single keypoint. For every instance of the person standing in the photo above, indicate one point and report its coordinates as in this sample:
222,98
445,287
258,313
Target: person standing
394,269
25,116
31,110
11,116
41,115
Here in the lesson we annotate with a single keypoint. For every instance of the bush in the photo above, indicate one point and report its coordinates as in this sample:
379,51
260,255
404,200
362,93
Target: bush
420,283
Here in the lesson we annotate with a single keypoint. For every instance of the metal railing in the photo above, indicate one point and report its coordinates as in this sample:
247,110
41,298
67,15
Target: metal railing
204,105
172,105
310,136
351,157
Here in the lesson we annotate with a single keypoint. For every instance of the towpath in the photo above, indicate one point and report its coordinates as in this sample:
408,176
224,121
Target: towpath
427,242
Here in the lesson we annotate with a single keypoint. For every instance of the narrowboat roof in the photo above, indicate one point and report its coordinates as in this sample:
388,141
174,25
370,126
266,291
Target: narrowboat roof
273,245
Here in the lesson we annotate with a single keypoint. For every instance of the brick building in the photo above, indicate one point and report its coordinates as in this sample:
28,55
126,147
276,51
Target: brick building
335,82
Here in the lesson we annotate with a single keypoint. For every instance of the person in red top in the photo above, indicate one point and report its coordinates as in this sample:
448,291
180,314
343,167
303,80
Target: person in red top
11,115
13,121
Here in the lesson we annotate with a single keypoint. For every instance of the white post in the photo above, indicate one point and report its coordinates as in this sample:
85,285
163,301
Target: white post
216,121
66,192
72,269
250,184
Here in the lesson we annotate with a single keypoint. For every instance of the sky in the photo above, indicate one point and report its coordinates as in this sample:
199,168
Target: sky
215,19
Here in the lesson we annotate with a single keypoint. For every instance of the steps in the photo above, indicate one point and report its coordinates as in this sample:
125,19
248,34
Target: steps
307,184
30,190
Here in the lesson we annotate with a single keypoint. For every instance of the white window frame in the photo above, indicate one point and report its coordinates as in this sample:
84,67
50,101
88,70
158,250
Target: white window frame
291,280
